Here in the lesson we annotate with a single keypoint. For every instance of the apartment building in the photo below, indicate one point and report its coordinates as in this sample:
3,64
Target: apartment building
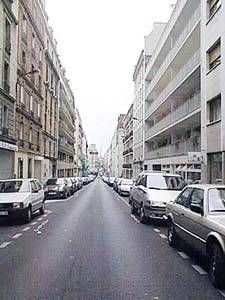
213,91
80,146
128,144
93,159
66,139
30,92
139,96
8,69
173,96
116,149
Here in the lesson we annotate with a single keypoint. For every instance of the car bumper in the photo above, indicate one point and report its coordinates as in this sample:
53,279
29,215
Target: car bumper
13,213
158,213
53,195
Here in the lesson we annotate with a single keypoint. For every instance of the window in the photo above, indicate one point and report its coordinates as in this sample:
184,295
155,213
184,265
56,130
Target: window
22,95
143,181
21,132
214,108
184,198
38,110
30,135
214,54
31,103
197,197
33,187
215,162
5,117
7,36
24,59
24,25
213,6
6,77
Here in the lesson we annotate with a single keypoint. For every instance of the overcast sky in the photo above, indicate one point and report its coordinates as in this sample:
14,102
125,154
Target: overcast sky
99,43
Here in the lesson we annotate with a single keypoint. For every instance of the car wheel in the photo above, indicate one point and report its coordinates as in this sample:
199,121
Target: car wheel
42,209
28,214
172,235
216,266
133,208
142,215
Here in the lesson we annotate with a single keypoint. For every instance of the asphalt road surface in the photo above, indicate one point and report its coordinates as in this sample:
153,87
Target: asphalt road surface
90,247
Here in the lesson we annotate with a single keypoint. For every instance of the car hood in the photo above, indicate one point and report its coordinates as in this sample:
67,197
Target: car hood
219,219
164,196
13,197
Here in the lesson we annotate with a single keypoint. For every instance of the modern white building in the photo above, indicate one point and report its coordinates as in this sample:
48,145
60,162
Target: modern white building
139,97
173,96
213,90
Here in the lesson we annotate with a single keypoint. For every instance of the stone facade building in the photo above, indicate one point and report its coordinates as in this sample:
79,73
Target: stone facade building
8,70
128,144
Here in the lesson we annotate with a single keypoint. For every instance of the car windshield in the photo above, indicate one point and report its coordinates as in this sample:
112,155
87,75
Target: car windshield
51,181
60,181
166,182
14,186
216,198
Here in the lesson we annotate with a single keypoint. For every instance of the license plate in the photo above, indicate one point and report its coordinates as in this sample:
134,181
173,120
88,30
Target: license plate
52,193
4,213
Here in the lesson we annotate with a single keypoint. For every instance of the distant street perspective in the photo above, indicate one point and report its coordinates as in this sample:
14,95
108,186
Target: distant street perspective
102,198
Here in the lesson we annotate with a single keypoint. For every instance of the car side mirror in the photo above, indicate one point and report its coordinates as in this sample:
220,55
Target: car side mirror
197,208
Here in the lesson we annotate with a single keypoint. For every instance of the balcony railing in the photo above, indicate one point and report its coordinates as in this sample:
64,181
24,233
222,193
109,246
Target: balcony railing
127,166
184,34
179,148
181,112
189,67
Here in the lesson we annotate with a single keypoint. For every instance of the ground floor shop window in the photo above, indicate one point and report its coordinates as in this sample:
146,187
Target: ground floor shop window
215,162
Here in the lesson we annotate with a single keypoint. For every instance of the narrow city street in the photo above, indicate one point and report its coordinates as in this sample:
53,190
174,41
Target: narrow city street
90,247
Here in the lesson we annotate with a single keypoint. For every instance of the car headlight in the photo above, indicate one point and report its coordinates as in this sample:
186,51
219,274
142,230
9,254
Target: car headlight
61,188
17,205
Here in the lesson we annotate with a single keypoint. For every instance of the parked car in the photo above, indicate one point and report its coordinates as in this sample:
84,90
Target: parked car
73,188
152,191
20,198
115,183
111,181
85,180
124,186
79,182
56,188
198,216
71,185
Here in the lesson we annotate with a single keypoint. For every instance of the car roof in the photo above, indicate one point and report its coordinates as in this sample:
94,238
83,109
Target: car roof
206,186
19,179
153,173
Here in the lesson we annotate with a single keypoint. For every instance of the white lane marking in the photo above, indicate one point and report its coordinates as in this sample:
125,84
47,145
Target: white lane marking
135,219
4,245
16,236
26,229
40,219
34,223
222,292
124,201
156,230
183,255
199,270
163,236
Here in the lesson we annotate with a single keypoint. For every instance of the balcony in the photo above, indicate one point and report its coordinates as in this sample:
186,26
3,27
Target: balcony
192,64
178,148
192,23
189,107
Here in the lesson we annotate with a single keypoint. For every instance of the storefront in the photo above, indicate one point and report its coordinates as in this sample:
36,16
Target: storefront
7,153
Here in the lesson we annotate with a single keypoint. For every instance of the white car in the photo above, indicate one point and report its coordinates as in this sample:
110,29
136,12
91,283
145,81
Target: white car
152,191
20,198
124,186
